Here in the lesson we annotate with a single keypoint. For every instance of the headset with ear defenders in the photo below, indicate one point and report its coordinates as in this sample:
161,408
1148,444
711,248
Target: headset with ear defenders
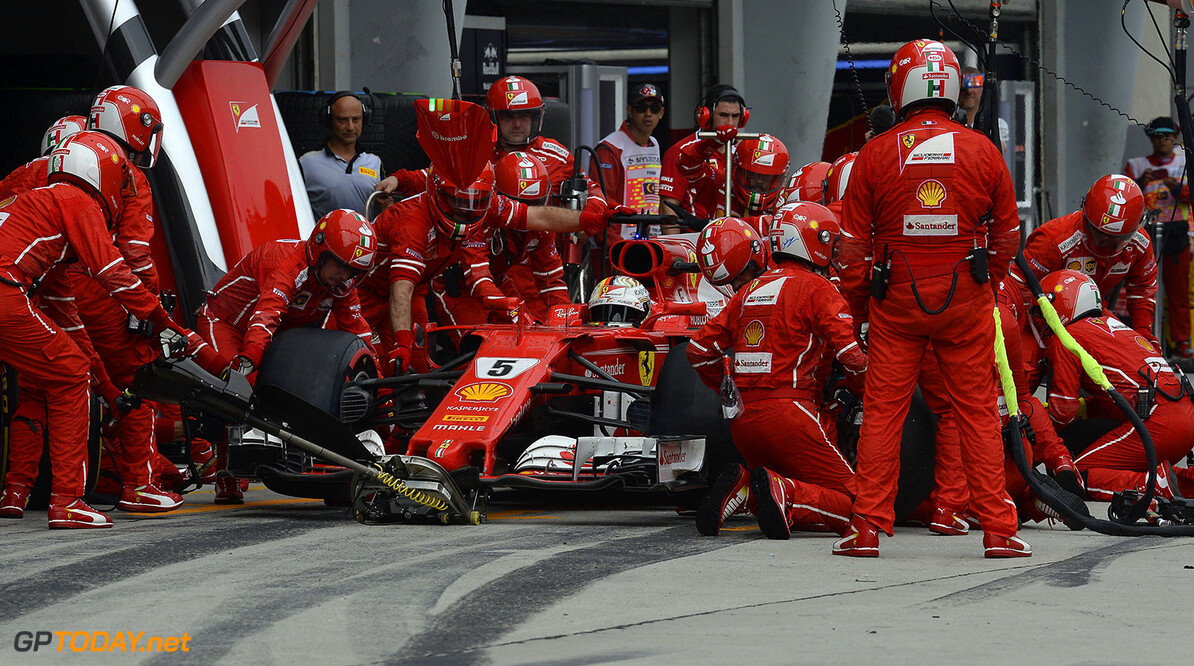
720,93
325,112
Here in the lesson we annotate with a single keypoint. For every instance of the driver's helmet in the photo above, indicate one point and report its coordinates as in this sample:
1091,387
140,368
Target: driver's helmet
619,300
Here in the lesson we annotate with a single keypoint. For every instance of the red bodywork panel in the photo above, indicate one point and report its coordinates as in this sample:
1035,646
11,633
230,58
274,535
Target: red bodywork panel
493,394
230,117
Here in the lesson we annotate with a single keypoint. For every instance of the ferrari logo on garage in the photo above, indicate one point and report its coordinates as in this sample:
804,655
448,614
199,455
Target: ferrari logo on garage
646,367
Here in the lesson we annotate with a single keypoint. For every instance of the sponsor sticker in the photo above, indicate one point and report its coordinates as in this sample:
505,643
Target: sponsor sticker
767,294
930,225
483,391
244,116
753,333
931,194
752,363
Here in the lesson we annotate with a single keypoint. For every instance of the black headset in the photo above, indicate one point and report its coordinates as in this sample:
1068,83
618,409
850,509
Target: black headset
720,93
325,112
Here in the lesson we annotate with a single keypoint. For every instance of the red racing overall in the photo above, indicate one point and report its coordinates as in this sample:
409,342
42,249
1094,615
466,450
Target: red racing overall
781,328
922,196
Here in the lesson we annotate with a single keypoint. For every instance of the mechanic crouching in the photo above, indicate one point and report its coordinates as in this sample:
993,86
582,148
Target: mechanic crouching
778,332
281,285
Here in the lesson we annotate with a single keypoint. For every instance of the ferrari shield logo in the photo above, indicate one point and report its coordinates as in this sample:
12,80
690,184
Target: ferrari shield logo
646,367
908,140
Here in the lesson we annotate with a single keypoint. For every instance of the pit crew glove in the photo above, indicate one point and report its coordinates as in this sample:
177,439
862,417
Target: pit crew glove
398,360
725,134
242,365
593,222
508,305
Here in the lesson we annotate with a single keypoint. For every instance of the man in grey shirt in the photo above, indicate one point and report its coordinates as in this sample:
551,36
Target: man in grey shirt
338,176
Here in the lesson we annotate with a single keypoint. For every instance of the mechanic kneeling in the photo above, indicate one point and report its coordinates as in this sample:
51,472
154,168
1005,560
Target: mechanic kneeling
779,331
1135,366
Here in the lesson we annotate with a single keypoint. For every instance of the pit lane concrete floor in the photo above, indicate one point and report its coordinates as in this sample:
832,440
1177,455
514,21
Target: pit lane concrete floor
289,581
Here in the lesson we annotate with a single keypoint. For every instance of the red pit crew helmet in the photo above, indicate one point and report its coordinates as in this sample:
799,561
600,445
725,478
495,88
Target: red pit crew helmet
130,115
805,231
807,184
523,177
760,172
62,128
923,71
98,165
838,177
730,248
344,236
1074,296
457,210
514,94
1113,209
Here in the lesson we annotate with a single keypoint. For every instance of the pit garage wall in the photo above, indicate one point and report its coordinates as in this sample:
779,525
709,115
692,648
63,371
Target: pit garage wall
387,45
781,55
1081,140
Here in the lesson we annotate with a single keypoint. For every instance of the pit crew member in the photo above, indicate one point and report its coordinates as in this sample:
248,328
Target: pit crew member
779,330
1135,366
916,211
90,178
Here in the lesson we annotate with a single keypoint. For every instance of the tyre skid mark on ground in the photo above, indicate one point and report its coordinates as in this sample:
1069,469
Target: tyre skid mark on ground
1074,571
553,578
77,576
273,601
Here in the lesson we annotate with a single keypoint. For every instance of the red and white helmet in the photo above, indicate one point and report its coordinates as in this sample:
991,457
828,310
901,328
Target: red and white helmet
805,231
1074,295
62,128
838,177
349,238
1113,208
130,115
457,209
729,248
97,164
619,300
523,177
514,94
923,71
760,172
807,184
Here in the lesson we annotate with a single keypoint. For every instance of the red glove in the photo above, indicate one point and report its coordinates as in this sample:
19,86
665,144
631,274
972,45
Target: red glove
725,134
108,394
593,223
510,306
398,359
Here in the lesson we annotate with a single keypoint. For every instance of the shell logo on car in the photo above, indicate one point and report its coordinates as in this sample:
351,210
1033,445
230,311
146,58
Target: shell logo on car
483,391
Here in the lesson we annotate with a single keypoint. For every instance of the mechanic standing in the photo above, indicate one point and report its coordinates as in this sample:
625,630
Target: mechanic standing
131,118
90,178
931,211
